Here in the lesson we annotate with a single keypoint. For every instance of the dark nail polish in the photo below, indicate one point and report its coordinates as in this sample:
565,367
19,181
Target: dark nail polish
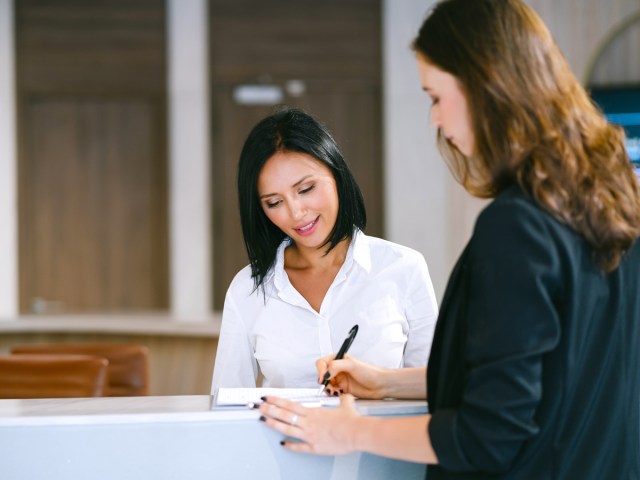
282,442
341,391
335,394
264,399
263,419
255,405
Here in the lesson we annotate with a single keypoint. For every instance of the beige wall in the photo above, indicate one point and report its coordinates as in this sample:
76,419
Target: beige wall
579,26
8,170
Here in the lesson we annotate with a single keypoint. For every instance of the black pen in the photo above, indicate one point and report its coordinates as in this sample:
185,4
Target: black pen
343,349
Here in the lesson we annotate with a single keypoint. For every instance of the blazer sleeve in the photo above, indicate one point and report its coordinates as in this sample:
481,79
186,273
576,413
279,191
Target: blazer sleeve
421,310
514,274
235,365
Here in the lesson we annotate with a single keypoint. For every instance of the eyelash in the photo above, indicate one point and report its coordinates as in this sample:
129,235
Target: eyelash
301,192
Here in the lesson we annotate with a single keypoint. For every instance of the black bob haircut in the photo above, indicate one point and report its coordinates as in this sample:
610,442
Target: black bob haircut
291,130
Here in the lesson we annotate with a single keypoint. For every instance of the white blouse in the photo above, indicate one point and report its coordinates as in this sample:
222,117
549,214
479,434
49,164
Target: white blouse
383,287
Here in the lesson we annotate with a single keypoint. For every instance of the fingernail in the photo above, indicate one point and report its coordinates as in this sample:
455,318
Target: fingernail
341,391
263,418
255,405
282,442
335,394
264,399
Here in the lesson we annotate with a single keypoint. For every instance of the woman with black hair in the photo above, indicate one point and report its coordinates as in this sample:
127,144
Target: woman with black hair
312,272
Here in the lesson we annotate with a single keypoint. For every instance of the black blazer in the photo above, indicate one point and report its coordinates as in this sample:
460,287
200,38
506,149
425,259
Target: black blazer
535,367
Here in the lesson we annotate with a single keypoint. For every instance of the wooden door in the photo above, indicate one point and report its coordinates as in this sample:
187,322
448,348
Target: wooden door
88,239
92,155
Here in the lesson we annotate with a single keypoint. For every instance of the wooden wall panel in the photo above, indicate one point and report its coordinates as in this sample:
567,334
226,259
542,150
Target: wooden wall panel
100,46
326,39
91,82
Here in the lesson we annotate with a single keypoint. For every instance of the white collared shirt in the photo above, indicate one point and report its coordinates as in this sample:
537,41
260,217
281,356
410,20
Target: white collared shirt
382,287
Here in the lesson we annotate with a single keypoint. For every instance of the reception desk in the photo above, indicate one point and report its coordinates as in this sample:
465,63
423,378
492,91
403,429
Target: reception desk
170,437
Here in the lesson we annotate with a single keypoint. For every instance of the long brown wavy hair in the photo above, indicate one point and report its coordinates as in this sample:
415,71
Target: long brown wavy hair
533,123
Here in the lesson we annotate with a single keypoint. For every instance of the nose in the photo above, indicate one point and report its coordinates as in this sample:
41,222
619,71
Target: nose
297,210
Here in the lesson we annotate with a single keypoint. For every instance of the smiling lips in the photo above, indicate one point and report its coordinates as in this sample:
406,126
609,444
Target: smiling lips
307,229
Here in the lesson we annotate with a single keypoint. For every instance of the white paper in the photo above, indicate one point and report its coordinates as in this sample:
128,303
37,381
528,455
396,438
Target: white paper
247,396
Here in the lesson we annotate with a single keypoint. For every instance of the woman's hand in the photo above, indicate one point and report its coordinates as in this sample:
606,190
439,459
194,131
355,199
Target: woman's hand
342,430
353,376
320,431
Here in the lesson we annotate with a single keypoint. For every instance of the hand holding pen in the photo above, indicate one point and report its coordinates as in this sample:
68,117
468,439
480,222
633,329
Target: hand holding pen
351,375
340,355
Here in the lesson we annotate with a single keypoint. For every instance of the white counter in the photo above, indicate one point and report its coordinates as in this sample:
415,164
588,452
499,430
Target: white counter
170,437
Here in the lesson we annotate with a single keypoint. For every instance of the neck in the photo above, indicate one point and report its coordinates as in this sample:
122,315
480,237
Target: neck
302,258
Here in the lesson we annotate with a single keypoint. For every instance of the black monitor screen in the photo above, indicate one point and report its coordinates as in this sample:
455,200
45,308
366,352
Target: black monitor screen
622,107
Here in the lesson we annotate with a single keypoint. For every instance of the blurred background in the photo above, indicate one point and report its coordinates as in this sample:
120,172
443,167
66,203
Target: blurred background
121,122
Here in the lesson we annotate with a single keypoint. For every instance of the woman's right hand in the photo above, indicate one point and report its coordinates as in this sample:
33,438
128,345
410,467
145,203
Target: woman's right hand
353,376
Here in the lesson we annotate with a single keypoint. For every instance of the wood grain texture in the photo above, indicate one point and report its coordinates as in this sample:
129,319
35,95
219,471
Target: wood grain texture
178,365
92,236
101,46
92,181
324,40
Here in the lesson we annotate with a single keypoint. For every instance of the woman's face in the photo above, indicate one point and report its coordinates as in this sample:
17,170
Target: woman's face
299,195
449,108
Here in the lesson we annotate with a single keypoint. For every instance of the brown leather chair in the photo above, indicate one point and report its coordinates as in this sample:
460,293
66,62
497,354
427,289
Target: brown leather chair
52,376
128,363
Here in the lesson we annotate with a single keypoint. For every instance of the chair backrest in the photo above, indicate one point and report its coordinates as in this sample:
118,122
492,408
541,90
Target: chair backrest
128,363
52,376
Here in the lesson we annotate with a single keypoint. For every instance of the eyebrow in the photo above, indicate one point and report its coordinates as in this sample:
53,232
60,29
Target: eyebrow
266,195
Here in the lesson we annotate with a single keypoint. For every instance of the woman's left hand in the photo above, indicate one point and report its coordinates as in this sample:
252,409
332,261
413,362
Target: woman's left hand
320,431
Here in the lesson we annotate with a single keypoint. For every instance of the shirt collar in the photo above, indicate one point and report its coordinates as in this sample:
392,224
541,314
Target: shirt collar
358,252
359,249
277,272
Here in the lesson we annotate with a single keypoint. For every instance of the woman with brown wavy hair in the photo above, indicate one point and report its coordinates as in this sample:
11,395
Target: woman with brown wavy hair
552,141
534,371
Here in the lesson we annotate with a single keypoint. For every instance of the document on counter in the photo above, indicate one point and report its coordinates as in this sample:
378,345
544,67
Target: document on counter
250,396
